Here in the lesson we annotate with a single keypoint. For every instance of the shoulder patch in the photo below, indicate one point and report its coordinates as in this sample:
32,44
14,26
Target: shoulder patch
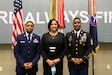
69,31
85,31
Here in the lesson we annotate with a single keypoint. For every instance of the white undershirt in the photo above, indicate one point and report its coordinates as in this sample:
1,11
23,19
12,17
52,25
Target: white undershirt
78,32
30,35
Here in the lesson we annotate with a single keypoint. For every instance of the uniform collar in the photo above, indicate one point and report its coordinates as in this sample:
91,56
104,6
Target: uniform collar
78,32
27,34
31,34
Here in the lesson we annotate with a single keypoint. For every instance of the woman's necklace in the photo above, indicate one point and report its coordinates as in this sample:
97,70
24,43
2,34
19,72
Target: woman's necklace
53,37
53,34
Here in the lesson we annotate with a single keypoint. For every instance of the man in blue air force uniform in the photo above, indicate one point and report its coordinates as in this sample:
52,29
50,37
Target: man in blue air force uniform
79,49
27,51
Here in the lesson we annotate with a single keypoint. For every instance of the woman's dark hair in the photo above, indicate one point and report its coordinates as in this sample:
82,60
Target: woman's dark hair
30,22
50,22
76,18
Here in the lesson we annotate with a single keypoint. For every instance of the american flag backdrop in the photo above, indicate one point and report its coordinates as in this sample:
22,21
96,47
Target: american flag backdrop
18,26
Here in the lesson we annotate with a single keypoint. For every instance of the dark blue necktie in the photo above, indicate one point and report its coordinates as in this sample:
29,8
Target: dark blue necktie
28,37
76,34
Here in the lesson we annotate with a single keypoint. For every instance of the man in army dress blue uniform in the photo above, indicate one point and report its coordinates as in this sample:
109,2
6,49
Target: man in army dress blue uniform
79,49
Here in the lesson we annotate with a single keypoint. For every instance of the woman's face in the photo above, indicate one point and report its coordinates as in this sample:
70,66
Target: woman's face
29,27
77,24
54,26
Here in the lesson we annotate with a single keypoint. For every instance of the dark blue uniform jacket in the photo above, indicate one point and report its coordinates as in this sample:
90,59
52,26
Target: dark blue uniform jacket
25,51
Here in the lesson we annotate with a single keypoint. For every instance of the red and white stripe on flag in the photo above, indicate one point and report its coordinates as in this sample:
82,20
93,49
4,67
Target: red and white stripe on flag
18,26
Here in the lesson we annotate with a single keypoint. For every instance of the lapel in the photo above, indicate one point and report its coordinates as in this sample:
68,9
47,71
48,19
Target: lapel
33,37
25,37
81,34
73,34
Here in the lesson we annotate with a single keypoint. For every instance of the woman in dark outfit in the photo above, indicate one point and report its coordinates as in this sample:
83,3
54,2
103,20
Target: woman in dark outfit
53,49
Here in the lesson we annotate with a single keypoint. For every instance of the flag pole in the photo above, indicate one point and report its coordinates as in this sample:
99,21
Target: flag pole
92,65
90,11
93,30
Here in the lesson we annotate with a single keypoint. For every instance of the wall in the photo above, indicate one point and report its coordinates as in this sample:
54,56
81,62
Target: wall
38,12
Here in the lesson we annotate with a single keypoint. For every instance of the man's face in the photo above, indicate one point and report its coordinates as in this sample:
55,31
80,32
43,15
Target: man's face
77,24
29,27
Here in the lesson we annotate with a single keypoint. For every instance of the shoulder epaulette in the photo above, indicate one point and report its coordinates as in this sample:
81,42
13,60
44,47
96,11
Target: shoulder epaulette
85,31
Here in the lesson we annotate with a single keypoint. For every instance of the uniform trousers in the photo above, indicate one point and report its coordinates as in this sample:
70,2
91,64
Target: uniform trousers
83,71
